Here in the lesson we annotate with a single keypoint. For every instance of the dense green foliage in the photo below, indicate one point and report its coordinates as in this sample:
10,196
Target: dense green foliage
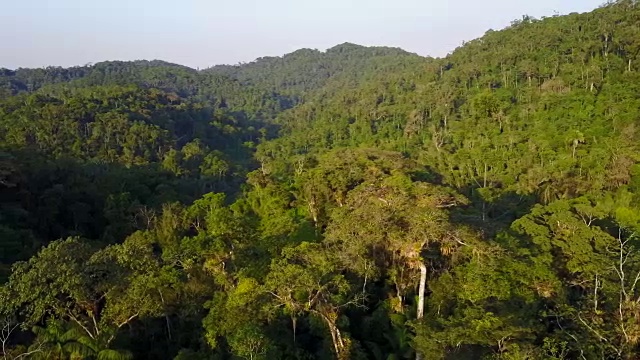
358,203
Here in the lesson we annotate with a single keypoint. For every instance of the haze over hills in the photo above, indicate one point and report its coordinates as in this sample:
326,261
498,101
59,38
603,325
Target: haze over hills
357,203
201,34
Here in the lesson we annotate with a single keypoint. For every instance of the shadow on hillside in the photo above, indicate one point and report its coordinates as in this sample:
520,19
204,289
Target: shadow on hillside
44,199
489,218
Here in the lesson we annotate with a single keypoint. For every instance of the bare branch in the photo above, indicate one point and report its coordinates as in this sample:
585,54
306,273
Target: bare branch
95,325
595,295
622,261
276,296
622,327
319,292
460,242
75,319
592,330
128,320
573,337
635,283
29,353
8,327
357,301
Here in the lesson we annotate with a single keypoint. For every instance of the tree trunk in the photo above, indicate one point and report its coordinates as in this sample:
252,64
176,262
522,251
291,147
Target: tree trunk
400,305
339,347
338,343
423,283
484,185
342,353
313,211
294,323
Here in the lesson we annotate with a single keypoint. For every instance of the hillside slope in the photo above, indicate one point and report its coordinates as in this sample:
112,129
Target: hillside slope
546,108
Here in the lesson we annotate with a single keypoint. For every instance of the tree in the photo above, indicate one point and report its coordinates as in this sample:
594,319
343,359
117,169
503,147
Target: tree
307,280
99,292
386,229
593,242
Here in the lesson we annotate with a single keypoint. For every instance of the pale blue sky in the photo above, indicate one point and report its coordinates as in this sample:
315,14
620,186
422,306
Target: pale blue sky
201,33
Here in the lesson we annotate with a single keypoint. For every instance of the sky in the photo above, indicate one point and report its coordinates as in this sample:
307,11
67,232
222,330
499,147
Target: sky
202,33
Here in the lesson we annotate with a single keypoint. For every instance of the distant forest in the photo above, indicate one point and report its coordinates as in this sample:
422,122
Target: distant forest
356,203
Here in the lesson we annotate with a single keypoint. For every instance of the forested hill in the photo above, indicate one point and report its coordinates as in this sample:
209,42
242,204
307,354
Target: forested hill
29,80
307,70
356,203
291,75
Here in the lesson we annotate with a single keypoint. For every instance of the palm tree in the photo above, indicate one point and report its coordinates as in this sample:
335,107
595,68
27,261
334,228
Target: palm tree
97,348
58,340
